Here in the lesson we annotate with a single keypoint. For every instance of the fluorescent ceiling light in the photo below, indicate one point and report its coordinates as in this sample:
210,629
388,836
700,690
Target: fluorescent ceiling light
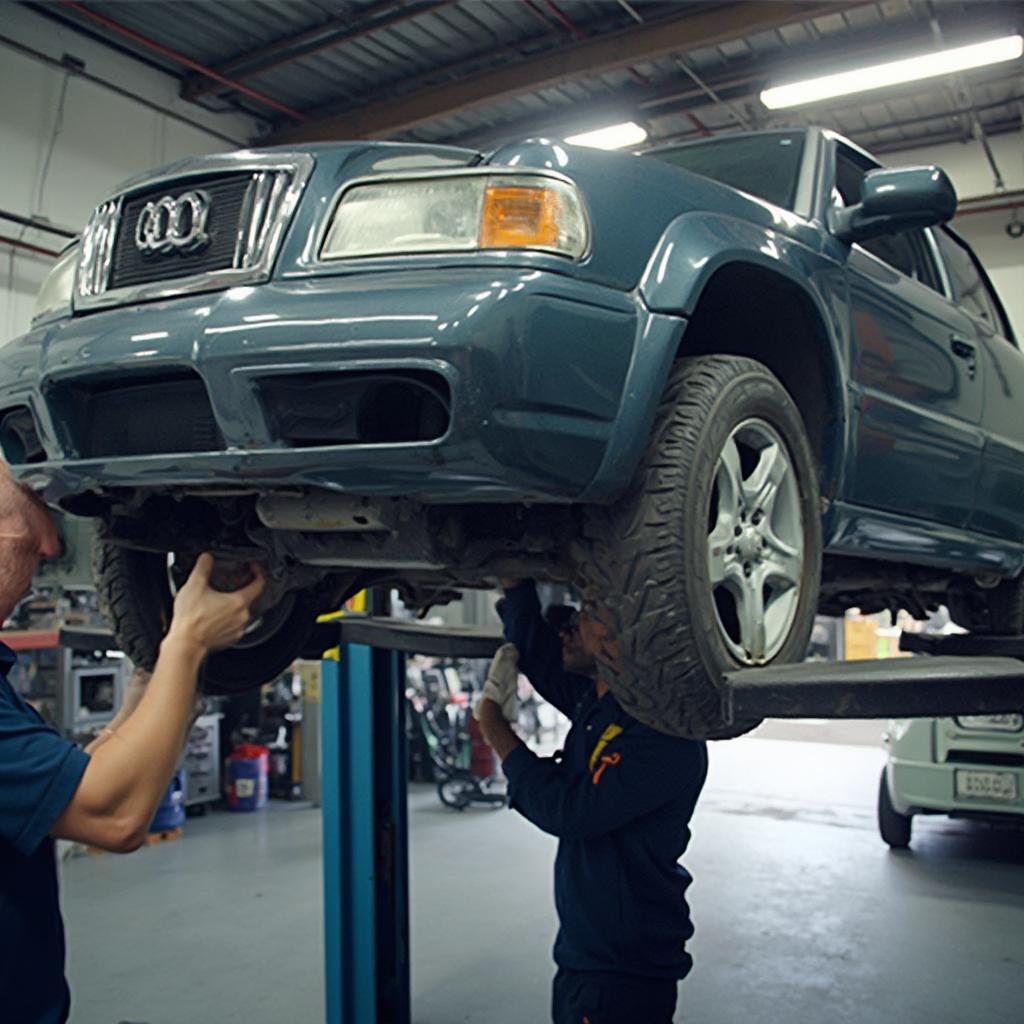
615,136
913,69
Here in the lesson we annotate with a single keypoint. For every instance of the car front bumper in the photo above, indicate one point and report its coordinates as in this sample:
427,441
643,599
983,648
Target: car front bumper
548,377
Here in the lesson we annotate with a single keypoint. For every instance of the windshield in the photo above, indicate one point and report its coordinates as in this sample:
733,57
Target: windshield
766,165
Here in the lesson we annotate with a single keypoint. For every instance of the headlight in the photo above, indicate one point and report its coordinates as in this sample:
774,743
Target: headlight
458,213
54,297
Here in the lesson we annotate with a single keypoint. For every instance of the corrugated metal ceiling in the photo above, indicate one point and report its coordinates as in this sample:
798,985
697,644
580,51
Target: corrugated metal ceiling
451,69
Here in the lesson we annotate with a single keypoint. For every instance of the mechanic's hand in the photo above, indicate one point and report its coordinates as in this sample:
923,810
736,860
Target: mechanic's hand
206,618
510,582
502,685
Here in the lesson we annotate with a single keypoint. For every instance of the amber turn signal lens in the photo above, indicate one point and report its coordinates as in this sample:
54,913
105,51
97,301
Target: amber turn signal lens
519,216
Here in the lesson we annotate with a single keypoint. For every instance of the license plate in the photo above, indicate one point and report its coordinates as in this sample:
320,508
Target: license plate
998,723
996,786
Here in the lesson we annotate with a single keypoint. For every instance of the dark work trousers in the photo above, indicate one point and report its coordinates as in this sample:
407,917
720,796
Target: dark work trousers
589,997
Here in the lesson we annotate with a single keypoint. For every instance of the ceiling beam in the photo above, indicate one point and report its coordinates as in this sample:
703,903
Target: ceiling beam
555,67
326,36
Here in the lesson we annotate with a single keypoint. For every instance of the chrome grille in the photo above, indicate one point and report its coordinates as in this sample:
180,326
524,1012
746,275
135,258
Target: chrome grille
250,203
227,197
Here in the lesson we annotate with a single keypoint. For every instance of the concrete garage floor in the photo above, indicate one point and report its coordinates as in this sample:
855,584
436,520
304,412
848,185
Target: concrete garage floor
802,914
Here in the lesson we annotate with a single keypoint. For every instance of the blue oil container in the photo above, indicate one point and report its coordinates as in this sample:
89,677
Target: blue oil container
171,811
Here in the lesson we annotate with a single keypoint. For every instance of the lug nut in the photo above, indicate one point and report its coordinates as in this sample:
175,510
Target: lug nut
746,569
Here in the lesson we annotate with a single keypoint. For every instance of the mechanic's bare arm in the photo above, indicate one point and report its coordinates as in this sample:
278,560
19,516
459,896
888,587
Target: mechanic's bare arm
128,773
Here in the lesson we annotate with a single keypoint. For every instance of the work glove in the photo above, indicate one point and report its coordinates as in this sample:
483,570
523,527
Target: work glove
502,685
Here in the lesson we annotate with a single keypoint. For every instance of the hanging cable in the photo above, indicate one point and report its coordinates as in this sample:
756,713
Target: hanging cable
58,126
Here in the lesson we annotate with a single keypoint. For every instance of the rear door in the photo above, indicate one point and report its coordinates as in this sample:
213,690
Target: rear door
999,508
915,374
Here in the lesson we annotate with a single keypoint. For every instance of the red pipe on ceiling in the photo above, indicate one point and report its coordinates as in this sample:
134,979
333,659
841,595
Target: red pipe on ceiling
182,59
17,243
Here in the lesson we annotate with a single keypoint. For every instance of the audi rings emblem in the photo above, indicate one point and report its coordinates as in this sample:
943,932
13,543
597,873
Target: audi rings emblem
173,225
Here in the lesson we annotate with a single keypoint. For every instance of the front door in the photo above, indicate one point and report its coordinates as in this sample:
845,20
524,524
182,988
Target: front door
918,387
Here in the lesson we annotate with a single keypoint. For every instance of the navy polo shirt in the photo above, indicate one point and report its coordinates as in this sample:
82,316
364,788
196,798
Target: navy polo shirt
39,773
620,801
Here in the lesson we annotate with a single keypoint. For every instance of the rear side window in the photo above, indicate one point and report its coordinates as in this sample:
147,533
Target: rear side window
969,287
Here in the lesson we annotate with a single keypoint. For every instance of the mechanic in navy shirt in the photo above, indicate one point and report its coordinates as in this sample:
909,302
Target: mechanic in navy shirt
620,801
105,795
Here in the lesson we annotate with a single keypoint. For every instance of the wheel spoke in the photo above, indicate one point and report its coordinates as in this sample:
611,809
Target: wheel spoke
781,561
750,612
722,535
723,566
716,563
730,478
762,486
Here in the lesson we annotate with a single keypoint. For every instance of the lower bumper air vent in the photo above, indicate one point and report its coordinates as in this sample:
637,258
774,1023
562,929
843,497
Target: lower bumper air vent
156,416
390,407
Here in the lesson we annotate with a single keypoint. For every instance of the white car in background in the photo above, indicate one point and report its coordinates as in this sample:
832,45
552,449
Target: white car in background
966,767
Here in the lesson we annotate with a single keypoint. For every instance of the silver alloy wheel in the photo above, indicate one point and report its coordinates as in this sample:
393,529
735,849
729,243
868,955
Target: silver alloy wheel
755,542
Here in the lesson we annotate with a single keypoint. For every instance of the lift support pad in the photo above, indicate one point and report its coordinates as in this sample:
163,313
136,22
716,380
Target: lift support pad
887,688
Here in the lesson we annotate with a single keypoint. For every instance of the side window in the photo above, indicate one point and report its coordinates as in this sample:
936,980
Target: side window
905,251
969,288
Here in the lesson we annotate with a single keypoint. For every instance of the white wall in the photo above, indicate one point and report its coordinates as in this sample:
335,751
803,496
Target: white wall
966,165
101,139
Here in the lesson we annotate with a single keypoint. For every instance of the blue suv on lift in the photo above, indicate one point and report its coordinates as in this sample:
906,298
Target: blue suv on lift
719,386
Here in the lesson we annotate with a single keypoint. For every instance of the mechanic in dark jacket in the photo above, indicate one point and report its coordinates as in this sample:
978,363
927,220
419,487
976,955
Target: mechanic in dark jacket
105,795
619,800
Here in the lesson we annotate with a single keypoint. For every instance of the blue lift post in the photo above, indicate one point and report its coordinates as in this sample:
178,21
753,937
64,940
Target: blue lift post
366,871
364,804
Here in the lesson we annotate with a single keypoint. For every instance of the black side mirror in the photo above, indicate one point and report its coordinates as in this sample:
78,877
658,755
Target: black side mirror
896,200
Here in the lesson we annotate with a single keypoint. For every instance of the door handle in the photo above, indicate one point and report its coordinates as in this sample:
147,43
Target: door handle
961,347
964,349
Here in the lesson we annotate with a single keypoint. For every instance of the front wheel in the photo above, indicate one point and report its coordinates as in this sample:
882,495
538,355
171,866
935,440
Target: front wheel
135,590
711,561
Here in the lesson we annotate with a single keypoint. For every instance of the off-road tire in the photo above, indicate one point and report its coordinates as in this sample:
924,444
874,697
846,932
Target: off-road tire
893,827
135,598
644,560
